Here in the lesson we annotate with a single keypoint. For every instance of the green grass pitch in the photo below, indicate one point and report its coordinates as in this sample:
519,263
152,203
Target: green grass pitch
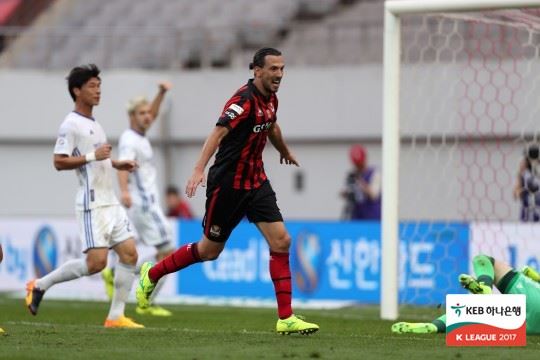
73,330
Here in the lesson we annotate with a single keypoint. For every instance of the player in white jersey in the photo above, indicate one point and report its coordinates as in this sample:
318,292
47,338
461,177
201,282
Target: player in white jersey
103,224
139,188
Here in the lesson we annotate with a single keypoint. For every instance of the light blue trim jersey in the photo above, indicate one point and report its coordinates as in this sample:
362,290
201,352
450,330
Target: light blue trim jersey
78,136
142,182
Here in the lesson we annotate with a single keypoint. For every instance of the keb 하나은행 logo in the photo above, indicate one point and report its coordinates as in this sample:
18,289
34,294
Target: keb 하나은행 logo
486,320
457,309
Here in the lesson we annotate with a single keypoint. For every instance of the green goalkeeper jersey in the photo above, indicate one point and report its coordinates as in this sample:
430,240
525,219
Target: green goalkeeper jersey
517,283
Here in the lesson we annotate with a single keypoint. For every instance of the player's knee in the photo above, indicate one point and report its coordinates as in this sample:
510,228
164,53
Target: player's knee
208,250
282,242
95,265
133,258
129,257
210,254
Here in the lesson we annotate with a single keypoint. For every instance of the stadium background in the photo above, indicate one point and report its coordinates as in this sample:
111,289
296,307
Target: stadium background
330,99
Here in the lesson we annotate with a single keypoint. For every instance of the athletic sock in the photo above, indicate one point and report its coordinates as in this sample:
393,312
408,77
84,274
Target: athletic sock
72,269
123,279
280,272
483,268
440,323
181,258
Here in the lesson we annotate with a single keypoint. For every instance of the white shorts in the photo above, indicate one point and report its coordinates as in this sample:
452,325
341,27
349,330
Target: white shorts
153,228
103,227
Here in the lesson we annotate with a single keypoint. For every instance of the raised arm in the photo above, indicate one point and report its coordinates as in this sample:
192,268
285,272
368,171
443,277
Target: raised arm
209,148
276,138
164,86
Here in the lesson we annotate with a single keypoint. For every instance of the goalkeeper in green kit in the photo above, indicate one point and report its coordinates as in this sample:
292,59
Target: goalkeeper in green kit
490,272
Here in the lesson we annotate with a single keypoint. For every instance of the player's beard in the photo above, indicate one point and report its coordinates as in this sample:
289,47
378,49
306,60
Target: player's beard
269,86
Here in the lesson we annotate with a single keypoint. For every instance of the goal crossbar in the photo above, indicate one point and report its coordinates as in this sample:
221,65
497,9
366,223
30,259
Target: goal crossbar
400,7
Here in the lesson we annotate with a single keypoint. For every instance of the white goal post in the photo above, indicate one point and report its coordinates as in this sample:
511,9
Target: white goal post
391,133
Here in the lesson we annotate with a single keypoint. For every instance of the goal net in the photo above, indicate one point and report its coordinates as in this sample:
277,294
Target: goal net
469,104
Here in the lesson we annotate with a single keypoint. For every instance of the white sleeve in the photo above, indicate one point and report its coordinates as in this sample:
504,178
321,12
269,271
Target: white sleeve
126,150
65,142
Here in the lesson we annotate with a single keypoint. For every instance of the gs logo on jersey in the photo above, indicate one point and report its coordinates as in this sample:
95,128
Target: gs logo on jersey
307,261
262,127
45,252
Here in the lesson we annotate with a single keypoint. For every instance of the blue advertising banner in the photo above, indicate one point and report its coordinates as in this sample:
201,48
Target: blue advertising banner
333,261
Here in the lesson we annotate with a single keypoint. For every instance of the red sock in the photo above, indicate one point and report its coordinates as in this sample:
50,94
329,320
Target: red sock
181,258
280,272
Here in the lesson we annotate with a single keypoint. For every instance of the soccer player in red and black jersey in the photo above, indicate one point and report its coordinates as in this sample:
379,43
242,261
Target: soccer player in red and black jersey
237,186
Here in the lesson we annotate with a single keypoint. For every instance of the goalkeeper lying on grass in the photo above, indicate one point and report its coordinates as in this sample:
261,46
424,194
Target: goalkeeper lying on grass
490,272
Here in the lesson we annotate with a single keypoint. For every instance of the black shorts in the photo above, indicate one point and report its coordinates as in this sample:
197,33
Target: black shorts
225,207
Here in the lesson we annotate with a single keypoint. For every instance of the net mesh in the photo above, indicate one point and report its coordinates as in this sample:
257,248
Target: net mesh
470,91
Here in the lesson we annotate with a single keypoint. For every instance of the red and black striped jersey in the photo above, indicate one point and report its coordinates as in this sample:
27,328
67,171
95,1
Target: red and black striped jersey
249,116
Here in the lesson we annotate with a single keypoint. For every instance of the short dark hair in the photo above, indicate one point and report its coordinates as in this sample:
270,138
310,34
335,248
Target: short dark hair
259,57
172,190
79,75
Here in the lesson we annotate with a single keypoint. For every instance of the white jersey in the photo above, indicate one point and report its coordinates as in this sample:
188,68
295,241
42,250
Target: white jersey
142,182
80,135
